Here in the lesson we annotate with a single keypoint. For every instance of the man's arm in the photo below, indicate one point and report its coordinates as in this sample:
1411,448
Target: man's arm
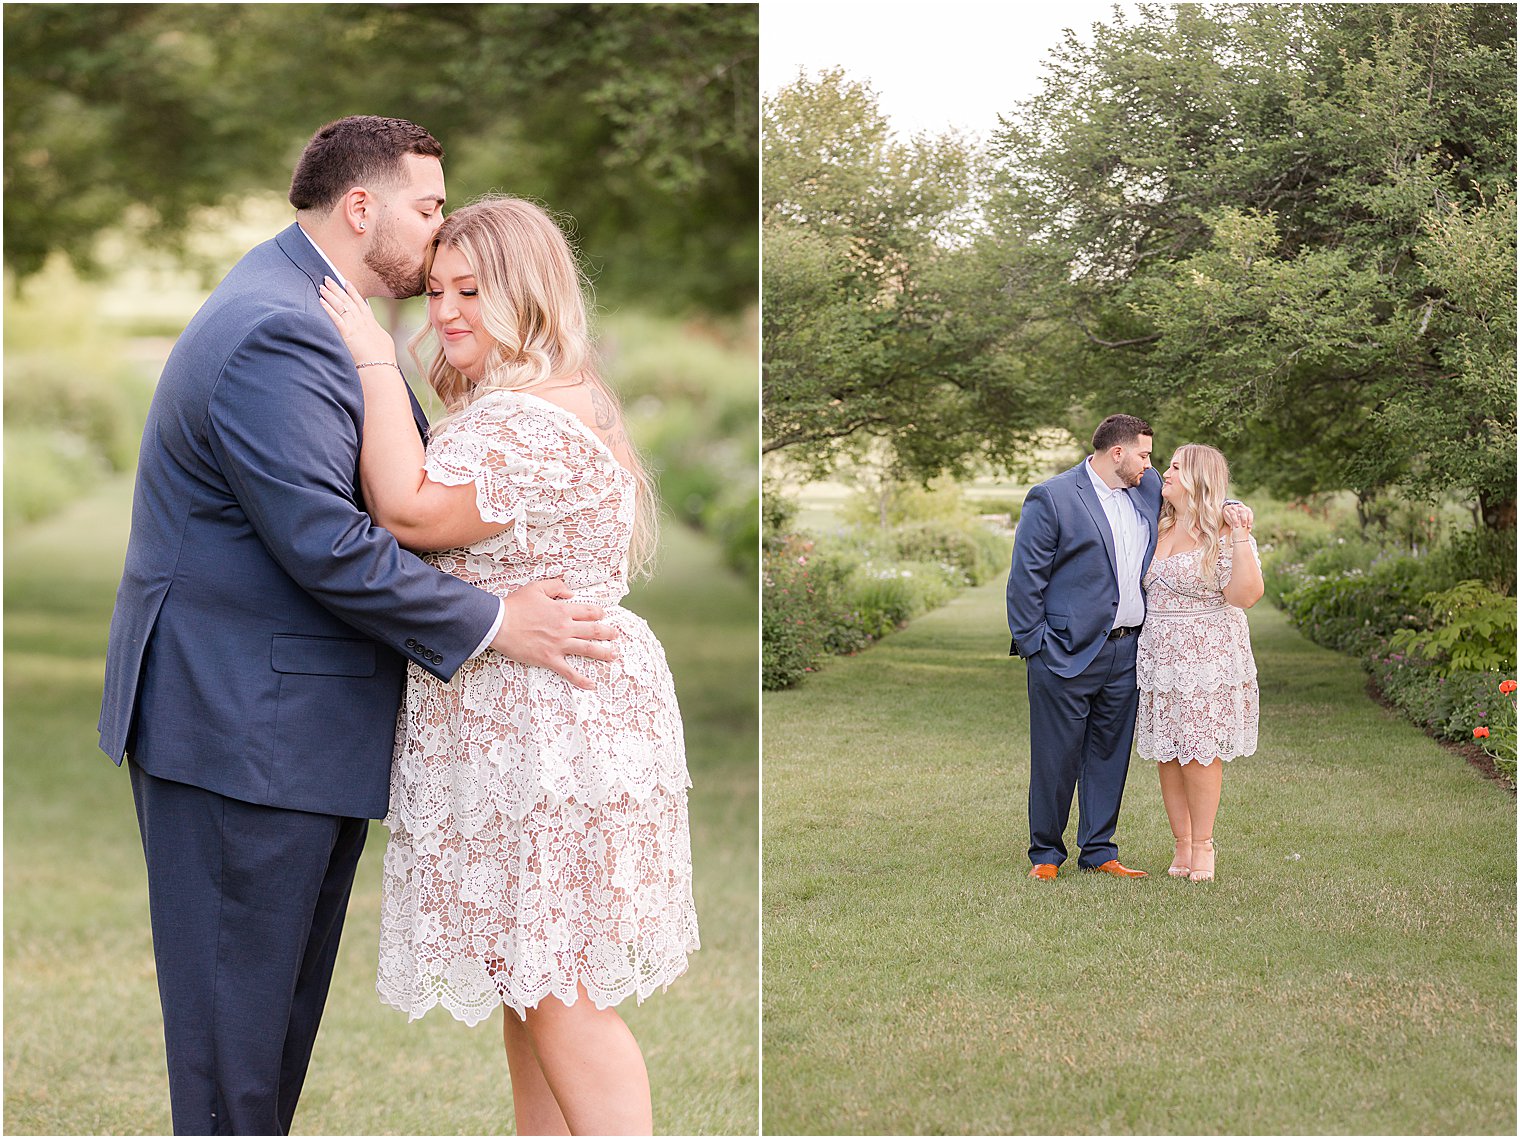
1034,550
284,426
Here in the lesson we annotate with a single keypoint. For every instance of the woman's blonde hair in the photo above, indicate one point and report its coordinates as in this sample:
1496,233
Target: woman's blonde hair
533,306
1205,476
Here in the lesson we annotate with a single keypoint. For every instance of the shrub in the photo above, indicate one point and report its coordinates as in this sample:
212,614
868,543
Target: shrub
777,511
45,469
973,551
1452,705
1482,554
806,611
1012,507
893,502
1470,628
789,639
1355,612
689,394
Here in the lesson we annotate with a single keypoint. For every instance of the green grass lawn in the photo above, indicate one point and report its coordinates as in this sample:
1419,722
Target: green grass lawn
83,1036
1351,971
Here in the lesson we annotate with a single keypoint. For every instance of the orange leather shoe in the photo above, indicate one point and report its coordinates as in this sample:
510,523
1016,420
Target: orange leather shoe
1112,867
1044,871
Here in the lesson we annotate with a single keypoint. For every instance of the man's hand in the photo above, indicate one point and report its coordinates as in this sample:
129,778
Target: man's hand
541,628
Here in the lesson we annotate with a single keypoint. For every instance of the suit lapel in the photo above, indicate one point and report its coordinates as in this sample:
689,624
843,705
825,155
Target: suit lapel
1089,498
301,251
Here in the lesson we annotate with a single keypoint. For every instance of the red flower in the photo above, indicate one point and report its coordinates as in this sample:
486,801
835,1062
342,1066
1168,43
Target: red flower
1480,733
1508,686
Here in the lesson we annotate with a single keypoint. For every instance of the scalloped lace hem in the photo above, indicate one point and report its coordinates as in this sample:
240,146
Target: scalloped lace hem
476,1003
1186,759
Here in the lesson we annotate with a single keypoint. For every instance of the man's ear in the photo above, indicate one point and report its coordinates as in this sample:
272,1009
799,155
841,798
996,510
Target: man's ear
356,207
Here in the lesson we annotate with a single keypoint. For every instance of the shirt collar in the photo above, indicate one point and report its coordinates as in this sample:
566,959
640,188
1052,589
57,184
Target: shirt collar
1104,490
337,276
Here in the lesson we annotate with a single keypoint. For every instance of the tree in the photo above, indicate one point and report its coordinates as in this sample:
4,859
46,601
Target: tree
638,120
1289,229
881,321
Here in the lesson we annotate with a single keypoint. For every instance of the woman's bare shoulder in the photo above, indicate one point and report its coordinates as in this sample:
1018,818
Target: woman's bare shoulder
588,401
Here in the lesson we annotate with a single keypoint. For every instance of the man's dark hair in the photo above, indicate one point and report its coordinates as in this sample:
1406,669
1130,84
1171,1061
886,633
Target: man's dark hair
353,151
1119,431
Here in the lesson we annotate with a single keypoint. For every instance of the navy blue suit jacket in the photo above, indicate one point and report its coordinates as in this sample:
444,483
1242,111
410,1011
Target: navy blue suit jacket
261,631
1063,587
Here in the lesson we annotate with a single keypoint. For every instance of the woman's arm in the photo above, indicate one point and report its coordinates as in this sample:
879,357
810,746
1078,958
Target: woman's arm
422,514
1245,586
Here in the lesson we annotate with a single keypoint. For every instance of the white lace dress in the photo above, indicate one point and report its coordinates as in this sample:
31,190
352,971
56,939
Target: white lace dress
539,835
1193,665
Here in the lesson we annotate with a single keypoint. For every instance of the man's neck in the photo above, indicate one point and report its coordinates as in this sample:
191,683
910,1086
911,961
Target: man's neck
329,249
1107,473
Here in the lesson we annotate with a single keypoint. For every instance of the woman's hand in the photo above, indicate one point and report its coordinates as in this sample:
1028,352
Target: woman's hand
1239,516
350,313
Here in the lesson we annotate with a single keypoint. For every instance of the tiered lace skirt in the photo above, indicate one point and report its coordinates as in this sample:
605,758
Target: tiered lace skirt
1197,678
539,836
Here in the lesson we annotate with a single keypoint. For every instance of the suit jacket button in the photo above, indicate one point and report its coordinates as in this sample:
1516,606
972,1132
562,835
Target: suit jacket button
411,644
437,659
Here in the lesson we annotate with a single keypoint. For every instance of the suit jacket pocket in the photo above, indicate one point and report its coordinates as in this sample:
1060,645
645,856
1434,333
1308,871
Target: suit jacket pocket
1058,620
321,656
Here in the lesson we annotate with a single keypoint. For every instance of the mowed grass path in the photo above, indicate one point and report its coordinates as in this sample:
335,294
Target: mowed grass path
1351,971
83,1035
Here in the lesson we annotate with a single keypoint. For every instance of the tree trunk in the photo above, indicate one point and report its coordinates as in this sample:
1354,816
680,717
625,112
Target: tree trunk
1498,513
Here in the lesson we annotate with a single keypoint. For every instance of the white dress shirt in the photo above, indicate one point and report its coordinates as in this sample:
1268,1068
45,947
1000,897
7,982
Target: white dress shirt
501,607
1129,547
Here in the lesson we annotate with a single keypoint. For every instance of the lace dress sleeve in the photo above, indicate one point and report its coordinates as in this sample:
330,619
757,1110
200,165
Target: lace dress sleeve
524,466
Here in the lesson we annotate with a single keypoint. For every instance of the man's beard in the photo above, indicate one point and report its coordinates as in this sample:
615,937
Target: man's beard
401,275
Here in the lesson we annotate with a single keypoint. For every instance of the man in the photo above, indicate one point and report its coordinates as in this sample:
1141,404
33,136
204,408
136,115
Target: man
262,628
1075,606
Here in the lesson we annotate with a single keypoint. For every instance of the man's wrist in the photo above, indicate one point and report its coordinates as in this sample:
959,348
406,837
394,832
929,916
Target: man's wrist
496,627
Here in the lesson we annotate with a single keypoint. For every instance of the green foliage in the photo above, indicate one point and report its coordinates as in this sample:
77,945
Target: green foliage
73,409
836,595
1486,555
1285,229
805,614
777,510
689,391
883,322
1449,704
887,597
883,500
968,549
638,120
1436,642
1354,611
1470,628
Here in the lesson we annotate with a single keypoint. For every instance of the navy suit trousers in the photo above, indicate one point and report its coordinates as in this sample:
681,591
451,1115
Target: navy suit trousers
247,905
1080,732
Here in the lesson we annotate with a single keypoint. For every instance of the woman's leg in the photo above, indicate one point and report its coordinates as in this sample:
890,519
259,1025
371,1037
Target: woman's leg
533,1105
593,1065
1203,783
1174,797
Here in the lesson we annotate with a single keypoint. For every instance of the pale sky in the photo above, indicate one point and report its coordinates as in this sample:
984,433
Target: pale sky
932,65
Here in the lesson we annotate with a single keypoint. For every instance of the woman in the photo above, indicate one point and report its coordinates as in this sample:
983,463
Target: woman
539,854
1197,679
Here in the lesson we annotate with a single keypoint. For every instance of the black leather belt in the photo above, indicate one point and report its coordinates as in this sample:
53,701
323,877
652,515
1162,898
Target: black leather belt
1125,631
